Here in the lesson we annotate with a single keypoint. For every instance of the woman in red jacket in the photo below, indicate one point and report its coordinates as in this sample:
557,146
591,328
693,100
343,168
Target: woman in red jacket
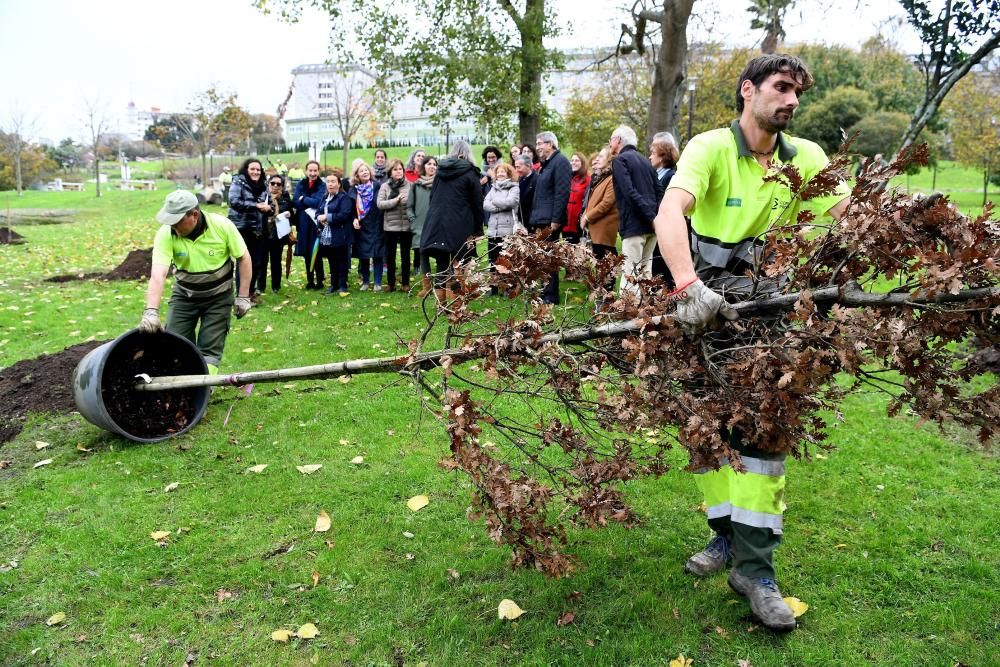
577,191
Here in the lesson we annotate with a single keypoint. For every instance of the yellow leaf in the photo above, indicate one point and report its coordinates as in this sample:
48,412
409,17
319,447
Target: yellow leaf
171,487
820,457
268,329
281,635
344,379
43,462
40,444
797,606
159,535
81,448
257,468
417,503
248,350
345,441
840,546
681,661
322,522
508,610
56,619
309,469
307,631
358,460
315,578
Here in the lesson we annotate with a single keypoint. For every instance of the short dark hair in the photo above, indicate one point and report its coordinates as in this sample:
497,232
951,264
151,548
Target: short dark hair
384,154
494,150
761,67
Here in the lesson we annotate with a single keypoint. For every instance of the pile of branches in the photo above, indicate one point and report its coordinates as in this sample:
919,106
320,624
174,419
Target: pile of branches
566,404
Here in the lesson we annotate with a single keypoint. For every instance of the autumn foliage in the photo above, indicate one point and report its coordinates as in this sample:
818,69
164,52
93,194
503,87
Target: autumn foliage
886,300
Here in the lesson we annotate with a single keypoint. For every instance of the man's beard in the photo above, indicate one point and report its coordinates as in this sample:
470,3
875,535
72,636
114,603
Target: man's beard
774,123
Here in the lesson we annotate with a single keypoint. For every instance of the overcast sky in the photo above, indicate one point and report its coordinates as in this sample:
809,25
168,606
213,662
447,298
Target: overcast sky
59,52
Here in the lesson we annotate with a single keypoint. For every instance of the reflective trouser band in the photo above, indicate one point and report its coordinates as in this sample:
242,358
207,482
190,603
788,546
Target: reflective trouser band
750,498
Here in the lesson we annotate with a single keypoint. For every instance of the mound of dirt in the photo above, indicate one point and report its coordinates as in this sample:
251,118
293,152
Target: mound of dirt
136,266
42,384
8,235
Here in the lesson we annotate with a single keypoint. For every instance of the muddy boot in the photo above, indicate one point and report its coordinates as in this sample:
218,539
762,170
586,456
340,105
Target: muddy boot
714,557
765,601
425,287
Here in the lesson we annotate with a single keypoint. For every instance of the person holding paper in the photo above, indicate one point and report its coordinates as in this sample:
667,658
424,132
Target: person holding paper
278,225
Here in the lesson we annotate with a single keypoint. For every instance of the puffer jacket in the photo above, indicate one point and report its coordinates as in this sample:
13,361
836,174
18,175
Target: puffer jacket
243,206
456,209
394,208
502,202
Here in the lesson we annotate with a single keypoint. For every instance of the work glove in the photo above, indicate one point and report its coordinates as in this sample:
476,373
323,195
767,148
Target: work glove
150,322
242,306
698,307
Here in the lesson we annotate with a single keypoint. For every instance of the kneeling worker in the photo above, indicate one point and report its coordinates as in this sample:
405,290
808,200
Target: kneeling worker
202,247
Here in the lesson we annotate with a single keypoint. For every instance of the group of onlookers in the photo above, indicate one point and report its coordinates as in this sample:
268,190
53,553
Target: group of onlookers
429,210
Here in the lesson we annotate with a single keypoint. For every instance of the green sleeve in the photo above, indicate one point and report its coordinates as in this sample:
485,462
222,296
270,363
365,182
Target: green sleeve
163,251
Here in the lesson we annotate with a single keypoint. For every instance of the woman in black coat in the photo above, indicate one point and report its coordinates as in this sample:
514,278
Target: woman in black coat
309,194
249,203
455,214
281,206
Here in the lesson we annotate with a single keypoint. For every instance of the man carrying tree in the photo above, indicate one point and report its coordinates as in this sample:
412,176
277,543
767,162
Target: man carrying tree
202,247
719,184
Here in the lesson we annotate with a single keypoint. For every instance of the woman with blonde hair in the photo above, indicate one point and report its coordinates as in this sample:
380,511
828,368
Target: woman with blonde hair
501,202
369,241
600,216
392,198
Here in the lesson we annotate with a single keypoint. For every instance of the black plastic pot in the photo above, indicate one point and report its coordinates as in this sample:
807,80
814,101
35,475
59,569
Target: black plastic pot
103,381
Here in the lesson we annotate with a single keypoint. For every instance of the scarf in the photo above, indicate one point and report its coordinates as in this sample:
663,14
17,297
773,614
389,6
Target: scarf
426,181
256,187
395,186
363,202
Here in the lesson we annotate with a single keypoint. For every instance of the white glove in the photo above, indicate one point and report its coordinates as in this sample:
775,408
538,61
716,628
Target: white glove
150,322
698,306
242,306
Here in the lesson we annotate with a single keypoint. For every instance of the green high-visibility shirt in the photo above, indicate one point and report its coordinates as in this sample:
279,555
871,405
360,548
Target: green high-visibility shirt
204,264
733,203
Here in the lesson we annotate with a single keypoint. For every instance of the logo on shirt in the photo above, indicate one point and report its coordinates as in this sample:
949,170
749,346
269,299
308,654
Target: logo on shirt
734,201
182,253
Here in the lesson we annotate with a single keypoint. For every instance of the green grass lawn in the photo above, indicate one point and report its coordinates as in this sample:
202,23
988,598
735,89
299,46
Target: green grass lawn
891,538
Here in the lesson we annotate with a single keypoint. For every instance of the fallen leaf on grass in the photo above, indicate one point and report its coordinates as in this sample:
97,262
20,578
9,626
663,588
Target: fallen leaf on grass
307,631
322,522
43,462
408,535
358,460
281,635
344,379
345,441
797,606
839,546
329,543
222,595
743,663
56,619
721,631
160,535
309,469
453,573
248,350
566,619
268,329
417,503
5,464
171,487
350,640
315,578
508,610
39,444
681,661
81,448
257,468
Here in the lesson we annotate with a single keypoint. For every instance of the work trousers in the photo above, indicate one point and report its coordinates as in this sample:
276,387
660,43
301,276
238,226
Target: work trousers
203,322
402,240
747,507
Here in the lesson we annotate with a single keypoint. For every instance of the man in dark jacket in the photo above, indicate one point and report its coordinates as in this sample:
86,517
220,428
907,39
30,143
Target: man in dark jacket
455,213
637,197
526,179
548,209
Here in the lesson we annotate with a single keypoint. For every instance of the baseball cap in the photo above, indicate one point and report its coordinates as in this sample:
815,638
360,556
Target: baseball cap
178,203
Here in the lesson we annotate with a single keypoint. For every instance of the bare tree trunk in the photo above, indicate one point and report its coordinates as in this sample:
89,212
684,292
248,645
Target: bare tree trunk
530,26
671,62
17,168
97,174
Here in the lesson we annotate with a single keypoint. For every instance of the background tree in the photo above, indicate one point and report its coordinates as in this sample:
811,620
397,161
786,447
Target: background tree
96,124
671,18
265,132
16,140
67,154
168,132
960,36
483,51
213,121
35,163
769,16
826,122
879,133
715,69
973,111
620,95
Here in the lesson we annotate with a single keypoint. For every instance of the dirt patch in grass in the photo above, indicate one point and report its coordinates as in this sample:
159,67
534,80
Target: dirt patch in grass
8,235
42,384
136,266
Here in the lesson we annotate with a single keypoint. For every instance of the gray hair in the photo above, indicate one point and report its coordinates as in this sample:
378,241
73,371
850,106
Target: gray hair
665,138
525,160
626,134
462,149
549,138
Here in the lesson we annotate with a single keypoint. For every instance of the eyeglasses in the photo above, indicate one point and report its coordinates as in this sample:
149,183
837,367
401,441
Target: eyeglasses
276,184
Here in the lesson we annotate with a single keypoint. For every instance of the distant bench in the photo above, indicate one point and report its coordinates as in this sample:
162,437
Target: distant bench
138,185
63,185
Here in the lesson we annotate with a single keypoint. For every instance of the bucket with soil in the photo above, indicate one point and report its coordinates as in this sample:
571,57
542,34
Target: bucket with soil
104,386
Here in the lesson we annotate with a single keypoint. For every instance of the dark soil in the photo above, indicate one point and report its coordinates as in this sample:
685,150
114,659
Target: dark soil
150,414
136,266
8,235
43,384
